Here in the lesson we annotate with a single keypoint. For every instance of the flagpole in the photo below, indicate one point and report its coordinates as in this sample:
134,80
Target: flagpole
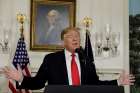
21,19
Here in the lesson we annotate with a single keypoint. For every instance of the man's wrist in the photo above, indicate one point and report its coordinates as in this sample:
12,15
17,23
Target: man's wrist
20,80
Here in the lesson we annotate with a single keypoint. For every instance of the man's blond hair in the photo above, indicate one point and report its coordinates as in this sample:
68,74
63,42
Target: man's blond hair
68,29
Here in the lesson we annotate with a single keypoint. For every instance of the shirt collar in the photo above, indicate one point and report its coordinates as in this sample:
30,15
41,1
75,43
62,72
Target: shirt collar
69,53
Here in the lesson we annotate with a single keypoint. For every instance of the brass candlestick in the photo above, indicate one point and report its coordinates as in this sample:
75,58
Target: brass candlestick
21,18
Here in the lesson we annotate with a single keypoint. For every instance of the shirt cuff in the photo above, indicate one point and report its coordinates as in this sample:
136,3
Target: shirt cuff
118,83
20,81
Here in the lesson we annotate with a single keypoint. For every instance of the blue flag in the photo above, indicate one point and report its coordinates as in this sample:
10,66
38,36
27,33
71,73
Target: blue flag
88,48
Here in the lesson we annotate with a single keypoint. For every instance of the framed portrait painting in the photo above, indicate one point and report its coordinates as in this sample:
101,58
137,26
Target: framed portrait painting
48,19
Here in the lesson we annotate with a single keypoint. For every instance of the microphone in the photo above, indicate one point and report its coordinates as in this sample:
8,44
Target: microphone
81,53
79,50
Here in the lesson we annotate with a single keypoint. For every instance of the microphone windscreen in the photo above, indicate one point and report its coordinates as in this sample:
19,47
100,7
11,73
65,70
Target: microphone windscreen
79,50
81,54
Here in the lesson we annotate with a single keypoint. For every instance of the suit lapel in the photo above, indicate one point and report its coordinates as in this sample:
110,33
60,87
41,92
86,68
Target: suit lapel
65,74
83,73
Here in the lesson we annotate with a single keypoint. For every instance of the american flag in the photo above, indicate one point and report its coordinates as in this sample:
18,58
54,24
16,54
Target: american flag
20,58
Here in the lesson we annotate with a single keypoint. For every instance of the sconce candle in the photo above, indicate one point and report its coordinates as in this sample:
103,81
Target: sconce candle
107,28
6,34
4,44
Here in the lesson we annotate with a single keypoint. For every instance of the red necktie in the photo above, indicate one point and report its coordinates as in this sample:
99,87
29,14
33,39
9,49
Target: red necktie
74,72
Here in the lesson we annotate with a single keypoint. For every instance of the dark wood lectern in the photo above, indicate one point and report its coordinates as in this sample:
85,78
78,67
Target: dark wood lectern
83,89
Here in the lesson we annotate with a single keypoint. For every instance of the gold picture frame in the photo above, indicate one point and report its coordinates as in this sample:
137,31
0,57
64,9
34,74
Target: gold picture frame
48,19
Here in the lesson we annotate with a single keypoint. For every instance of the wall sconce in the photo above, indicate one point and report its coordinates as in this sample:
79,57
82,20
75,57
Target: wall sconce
106,42
4,44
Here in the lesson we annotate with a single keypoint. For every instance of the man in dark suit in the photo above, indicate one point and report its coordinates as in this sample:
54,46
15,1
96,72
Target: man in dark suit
56,68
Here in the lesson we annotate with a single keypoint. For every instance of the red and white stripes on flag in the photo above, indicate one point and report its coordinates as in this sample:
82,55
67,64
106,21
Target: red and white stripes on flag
20,58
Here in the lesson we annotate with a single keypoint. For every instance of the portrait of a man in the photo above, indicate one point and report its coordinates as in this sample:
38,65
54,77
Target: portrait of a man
54,27
51,20
48,19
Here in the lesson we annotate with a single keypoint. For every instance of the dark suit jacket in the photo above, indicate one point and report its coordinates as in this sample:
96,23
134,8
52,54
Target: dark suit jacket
53,70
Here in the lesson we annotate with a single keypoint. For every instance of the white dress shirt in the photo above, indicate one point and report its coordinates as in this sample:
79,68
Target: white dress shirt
68,57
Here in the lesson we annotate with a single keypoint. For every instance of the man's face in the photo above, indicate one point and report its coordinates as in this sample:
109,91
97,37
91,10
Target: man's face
72,40
51,19
52,16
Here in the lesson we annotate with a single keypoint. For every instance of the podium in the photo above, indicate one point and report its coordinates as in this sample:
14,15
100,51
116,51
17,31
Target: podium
83,89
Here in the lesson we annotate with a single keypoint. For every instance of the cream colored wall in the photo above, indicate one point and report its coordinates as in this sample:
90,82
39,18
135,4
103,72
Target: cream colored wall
111,12
114,12
105,12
